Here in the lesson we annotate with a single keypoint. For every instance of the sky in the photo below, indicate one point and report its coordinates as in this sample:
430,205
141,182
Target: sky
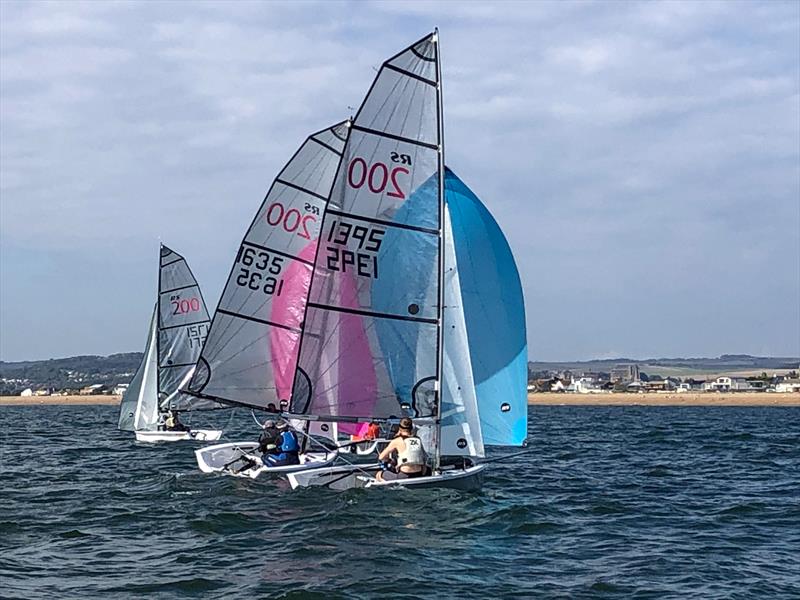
643,159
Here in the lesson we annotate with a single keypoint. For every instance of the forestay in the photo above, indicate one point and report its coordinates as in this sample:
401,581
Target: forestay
370,342
494,308
250,355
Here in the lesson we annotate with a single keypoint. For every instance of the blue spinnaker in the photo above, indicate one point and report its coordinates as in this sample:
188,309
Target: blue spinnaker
495,316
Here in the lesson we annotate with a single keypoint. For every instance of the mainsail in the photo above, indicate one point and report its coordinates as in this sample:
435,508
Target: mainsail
177,331
250,355
182,329
370,345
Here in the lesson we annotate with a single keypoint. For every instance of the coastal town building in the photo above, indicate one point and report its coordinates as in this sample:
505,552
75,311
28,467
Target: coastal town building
788,385
727,384
625,373
89,390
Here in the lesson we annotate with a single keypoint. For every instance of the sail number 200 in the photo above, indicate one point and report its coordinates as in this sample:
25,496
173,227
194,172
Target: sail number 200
378,177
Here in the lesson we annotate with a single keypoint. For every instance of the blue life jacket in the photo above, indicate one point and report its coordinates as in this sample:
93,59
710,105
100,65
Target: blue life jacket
289,442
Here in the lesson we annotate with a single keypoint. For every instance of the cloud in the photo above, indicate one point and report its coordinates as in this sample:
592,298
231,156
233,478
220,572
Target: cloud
642,157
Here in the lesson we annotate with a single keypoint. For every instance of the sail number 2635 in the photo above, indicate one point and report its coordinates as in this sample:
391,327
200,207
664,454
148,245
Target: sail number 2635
259,271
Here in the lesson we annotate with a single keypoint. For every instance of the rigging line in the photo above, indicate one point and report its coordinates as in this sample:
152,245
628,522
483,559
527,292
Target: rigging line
320,443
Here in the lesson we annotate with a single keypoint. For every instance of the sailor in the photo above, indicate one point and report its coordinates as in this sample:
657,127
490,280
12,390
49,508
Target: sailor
288,447
269,439
173,423
411,458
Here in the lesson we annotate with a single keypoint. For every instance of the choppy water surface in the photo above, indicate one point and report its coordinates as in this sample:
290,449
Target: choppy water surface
611,501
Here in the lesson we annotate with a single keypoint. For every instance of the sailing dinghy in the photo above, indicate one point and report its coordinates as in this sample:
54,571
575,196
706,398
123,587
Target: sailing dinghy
250,355
177,330
387,331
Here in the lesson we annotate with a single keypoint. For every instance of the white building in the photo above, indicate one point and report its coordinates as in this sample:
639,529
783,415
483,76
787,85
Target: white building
27,393
726,384
788,385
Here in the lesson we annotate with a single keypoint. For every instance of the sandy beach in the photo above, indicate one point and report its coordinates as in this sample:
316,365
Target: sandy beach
63,400
686,399
670,399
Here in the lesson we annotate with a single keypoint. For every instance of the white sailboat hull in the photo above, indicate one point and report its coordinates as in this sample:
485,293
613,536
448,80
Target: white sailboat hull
234,458
357,476
197,435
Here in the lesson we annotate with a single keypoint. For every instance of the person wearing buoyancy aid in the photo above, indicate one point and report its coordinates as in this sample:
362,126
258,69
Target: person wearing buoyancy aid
287,451
173,423
269,439
411,457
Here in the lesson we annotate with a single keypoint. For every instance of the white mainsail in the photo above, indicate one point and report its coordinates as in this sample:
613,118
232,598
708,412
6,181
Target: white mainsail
372,345
250,355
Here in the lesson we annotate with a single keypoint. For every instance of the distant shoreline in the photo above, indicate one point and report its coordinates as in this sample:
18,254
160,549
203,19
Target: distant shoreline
671,399
58,400
668,399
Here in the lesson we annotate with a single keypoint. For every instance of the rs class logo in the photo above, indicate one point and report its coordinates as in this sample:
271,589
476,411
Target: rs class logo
404,159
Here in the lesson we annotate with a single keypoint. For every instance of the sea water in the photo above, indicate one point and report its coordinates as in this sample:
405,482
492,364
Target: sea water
630,502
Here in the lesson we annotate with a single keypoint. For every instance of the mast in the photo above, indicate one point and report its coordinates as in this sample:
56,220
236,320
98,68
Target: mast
158,329
440,332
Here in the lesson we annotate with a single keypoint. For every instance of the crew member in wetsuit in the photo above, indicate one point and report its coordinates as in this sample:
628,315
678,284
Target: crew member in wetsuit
411,457
269,439
288,448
